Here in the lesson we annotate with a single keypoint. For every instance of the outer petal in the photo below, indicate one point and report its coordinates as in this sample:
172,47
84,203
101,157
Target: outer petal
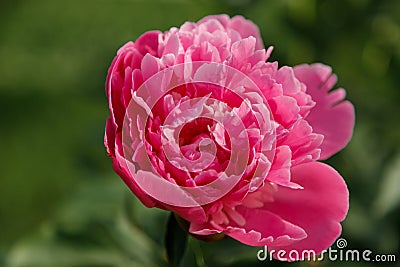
120,81
331,116
318,208
109,137
120,167
263,227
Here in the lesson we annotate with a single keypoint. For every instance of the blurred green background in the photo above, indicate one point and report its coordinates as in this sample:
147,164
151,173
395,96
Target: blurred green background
60,202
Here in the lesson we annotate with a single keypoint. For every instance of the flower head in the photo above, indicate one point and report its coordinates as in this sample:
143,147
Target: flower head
203,125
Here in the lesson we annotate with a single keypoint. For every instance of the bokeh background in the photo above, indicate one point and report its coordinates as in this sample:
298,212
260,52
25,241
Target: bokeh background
60,202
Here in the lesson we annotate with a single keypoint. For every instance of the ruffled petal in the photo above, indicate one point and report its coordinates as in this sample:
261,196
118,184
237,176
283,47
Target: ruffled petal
280,170
244,27
331,116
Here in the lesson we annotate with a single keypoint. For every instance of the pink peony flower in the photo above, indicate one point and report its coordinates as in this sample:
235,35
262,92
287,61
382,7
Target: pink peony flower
203,125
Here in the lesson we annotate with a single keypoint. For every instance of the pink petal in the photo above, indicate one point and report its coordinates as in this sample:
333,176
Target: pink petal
285,109
318,208
121,168
114,86
280,170
148,43
211,25
262,227
293,87
109,137
241,51
150,66
172,45
203,229
247,28
222,18
331,116
303,142
241,25
119,80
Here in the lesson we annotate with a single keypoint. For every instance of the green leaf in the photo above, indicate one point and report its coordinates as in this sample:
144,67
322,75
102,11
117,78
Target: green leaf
91,228
175,241
388,197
